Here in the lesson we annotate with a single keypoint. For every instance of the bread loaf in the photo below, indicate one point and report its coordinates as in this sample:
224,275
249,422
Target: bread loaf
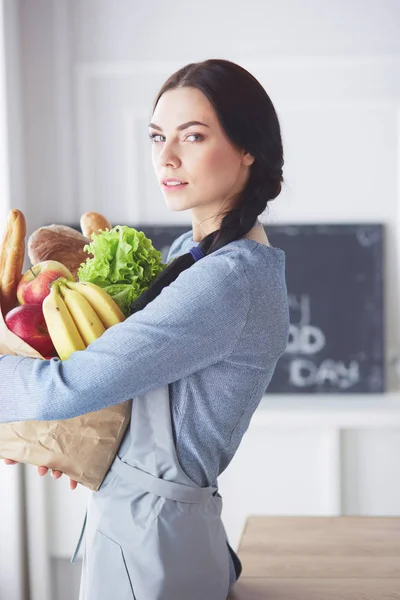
12,255
58,242
93,222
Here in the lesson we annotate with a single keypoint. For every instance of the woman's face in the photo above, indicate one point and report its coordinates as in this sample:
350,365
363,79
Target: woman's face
200,155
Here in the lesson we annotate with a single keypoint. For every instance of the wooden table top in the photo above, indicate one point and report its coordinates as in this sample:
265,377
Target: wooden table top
319,558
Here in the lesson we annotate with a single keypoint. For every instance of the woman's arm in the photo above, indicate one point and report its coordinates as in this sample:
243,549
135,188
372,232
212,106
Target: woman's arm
194,322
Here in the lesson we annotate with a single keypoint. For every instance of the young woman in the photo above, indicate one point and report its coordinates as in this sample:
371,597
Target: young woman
196,355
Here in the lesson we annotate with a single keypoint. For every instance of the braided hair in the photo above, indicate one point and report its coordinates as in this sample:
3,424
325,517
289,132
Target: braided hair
249,119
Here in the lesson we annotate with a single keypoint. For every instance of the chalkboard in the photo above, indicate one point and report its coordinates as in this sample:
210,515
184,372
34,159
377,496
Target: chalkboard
334,276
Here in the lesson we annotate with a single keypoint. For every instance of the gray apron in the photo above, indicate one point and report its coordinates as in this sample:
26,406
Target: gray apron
151,533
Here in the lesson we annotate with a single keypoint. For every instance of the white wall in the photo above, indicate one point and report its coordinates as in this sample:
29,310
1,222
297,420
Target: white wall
89,73
12,585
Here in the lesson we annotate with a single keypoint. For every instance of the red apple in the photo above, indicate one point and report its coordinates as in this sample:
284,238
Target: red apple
28,323
34,284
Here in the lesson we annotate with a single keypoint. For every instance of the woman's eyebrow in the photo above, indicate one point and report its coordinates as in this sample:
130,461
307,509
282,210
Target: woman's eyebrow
183,126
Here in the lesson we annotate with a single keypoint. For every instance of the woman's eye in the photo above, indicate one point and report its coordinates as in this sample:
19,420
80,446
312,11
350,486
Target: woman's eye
152,136
199,137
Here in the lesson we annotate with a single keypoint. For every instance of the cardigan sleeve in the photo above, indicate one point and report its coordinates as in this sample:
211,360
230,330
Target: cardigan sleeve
194,322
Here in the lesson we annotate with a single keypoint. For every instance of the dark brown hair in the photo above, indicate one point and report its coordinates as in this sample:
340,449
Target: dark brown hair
249,119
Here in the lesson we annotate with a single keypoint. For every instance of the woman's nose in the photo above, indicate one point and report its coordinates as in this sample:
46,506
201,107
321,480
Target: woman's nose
169,157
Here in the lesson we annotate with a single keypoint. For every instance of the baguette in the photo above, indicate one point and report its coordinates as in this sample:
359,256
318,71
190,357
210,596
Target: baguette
12,255
93,222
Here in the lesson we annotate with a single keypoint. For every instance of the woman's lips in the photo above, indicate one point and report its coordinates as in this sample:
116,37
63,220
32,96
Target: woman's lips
180,186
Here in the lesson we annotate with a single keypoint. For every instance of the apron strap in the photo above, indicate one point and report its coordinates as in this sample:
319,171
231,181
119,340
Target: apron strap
161,487
154,485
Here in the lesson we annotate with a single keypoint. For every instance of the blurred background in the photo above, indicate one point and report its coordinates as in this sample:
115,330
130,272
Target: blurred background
77,83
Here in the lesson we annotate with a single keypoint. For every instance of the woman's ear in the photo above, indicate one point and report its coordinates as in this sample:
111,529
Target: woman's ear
248,159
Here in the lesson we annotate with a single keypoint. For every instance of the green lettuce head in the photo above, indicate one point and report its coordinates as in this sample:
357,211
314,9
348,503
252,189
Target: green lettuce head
124,263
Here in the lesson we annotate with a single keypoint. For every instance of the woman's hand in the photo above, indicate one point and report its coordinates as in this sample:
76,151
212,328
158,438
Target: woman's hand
43,471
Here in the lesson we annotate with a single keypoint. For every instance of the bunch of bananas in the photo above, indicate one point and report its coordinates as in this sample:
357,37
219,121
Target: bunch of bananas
77,313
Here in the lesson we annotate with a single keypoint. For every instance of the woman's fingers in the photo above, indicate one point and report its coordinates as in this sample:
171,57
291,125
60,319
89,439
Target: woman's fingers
56,475
44,470
41,470
72,483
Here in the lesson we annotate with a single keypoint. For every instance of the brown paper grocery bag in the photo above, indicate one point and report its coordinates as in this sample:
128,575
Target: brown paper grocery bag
82,447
